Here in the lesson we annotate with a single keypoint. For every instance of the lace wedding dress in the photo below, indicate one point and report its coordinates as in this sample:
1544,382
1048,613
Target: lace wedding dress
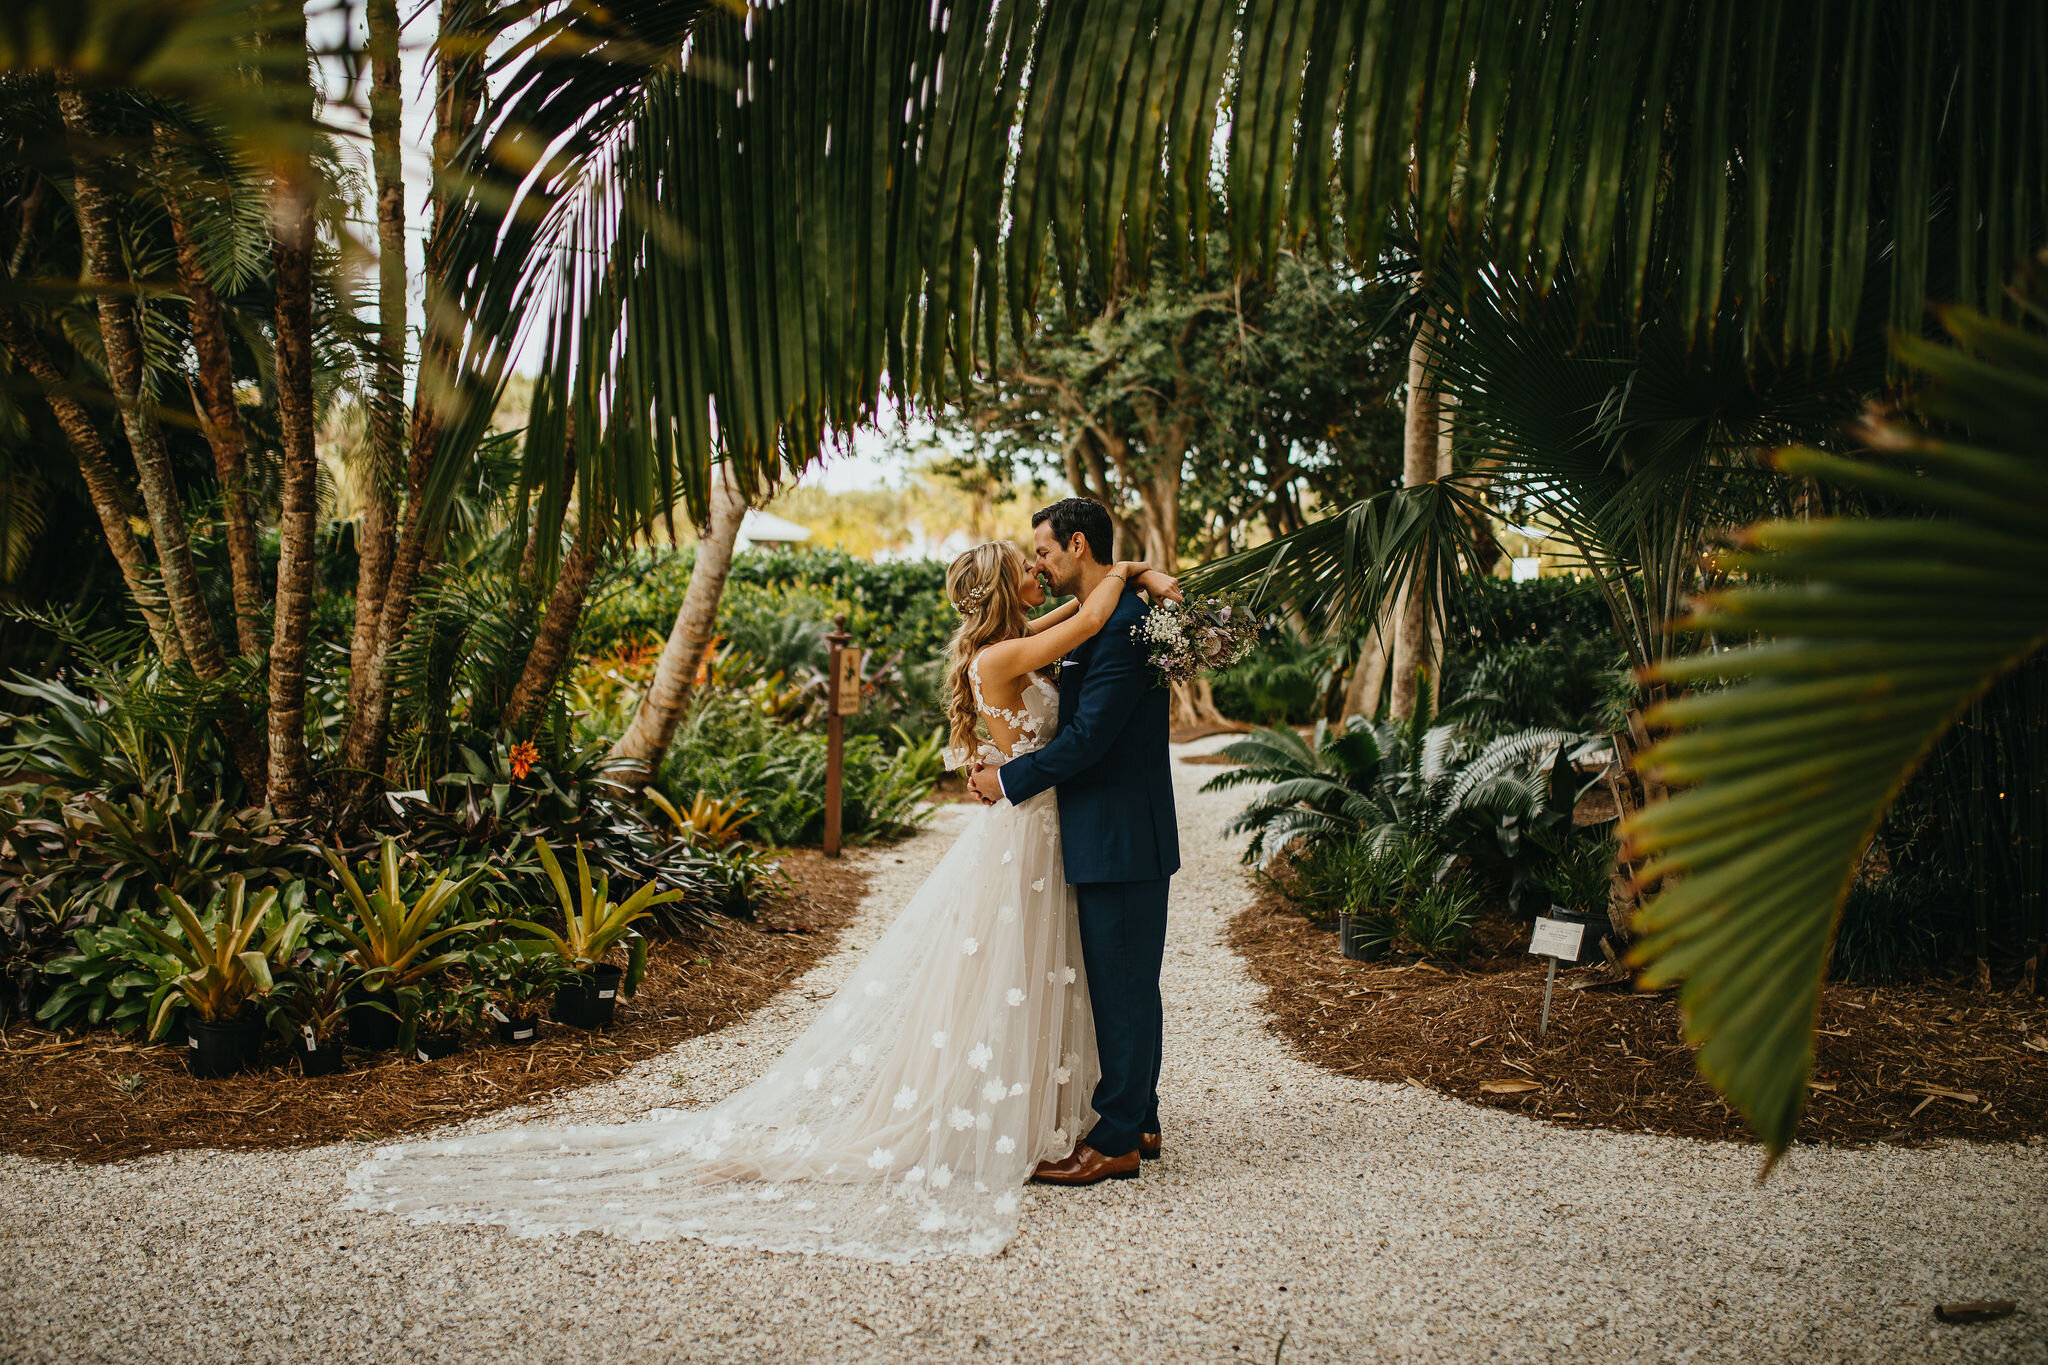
901,1126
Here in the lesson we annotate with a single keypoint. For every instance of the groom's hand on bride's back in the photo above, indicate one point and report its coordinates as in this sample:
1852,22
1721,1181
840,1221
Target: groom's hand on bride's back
985,785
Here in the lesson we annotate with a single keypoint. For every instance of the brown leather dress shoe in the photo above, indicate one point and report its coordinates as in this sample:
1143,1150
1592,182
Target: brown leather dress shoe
1150,1145
1087,1167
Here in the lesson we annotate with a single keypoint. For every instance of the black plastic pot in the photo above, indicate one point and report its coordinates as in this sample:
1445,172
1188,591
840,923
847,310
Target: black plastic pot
219,1049
369,1027
519,1030
322,1059
1357,937
432,1047
587,999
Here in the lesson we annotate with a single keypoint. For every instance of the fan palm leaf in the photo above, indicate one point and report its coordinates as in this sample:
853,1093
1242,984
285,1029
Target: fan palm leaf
1874,636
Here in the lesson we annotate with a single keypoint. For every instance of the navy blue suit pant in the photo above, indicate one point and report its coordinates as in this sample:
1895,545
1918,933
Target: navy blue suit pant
1123,944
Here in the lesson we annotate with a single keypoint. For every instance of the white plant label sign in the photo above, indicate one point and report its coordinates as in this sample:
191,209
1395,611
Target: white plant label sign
1555,938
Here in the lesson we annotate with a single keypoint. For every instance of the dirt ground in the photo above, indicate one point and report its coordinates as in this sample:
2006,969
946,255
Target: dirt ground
1907,1064
100,1097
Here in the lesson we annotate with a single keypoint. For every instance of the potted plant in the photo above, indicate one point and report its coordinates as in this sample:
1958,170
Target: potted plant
592,925
441,1020
307,1008
391,942
222,974
1580,881
516,977
1365,931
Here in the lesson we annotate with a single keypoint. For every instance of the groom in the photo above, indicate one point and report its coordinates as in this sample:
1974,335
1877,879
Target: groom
1110,764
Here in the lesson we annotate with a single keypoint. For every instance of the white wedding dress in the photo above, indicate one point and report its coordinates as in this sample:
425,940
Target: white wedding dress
901,1126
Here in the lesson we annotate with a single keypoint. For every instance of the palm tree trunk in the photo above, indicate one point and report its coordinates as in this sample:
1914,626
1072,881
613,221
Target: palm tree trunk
1417,650
292,266
219,417
675,675
1369,677
551,644
459,87
387,373
97,215
102,484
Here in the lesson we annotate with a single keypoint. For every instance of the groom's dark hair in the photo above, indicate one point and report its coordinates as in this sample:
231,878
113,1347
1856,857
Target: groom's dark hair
1084,517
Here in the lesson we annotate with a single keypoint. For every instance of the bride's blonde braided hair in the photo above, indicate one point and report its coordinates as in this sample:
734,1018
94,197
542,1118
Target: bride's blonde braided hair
982,585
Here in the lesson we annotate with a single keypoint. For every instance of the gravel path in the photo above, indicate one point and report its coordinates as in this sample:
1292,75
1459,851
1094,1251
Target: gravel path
1358,1221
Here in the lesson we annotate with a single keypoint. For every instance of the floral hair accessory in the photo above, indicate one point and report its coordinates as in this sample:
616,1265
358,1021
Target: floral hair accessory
969,601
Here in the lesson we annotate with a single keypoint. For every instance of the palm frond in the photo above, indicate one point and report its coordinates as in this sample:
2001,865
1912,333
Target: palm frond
1875,636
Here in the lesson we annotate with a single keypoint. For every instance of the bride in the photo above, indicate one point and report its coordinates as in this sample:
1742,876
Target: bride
904,1122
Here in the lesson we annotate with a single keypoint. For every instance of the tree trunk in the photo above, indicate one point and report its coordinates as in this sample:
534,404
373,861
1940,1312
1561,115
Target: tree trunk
1418,650
97,216
387,373
1369,676
220,418
551,644
565,602
292,266
459,89
103,485
668,693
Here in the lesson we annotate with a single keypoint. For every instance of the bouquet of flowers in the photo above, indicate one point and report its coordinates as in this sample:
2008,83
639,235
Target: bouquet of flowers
1198,636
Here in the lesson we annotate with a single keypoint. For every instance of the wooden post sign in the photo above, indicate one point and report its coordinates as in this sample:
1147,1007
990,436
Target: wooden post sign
849,681
1554,938
835,726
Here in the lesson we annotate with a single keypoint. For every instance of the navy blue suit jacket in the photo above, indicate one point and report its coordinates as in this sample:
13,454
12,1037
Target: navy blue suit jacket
1109,760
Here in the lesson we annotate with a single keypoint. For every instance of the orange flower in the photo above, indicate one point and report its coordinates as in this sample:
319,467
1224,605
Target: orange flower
524,756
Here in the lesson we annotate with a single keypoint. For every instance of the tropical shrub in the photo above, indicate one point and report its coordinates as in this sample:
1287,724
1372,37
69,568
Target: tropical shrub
592,923
222,975
391,936
112,977
727,746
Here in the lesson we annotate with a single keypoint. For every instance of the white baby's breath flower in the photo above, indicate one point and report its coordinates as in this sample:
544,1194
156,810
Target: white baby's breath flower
960,1120
942,1177
939,1038
1006,1202
1017,1088
1062,1076
914,1176
1038,885
970,946
1006,1145
1070,976
994,1090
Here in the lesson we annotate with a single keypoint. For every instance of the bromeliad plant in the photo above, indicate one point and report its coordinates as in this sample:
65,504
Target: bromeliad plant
310,1001
594,924
222,973
518,974
392,942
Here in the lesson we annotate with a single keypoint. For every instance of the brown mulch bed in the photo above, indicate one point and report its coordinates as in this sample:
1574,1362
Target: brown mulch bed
104,1098
1908,1064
